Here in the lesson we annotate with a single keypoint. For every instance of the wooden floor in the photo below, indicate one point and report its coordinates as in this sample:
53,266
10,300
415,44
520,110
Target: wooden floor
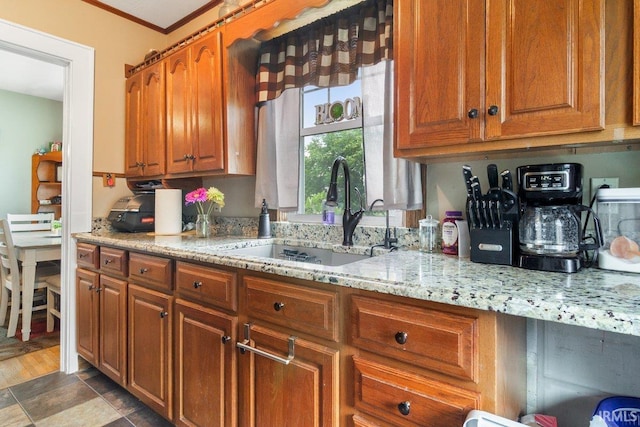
31,365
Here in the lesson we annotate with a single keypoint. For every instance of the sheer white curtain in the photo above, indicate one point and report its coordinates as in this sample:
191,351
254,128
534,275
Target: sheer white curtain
278,156
396,181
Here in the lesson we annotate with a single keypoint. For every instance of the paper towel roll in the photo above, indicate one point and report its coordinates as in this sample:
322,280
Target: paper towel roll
168,215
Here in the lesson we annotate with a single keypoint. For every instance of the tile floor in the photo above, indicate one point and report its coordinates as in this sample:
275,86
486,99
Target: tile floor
87,399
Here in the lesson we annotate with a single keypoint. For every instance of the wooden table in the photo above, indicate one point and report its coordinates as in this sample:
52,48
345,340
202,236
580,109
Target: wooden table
33,247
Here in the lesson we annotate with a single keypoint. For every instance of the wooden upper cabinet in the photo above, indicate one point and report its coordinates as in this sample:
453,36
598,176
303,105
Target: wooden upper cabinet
195,107
636,62
207,103
133,128
545,67
439,53
537,68
145,123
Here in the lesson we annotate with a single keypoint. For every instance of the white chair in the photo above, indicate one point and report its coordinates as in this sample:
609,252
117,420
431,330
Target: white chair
11,278
30,222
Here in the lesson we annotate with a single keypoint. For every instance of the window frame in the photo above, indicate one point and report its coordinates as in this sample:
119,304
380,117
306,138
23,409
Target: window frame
395,216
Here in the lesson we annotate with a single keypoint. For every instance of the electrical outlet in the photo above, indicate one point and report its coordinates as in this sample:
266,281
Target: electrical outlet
598,182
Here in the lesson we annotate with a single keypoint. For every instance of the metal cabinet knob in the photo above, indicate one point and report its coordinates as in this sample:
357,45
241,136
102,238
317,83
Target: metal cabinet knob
473,113
404,407
107,261
143,270
163,314
278,306
226,339
401,337
197,284
493,110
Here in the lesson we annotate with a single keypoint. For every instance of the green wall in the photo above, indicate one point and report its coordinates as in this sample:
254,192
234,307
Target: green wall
26,124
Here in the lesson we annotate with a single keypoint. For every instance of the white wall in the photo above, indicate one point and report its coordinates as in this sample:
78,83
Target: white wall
26,124
570,369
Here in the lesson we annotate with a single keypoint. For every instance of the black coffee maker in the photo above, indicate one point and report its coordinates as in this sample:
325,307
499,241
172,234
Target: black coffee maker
550,230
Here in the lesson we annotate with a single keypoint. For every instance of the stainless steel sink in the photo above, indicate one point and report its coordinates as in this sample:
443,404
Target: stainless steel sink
299,253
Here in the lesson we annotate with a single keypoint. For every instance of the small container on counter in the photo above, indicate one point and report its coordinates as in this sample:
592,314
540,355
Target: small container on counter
328,213
428,234
450,232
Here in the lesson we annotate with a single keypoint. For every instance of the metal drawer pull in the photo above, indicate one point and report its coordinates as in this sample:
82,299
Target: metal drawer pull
401,337
404,407
108,261
143,270
244,346
197,284
277,306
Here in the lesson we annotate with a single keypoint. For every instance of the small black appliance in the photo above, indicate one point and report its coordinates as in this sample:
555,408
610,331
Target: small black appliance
550,229
134,213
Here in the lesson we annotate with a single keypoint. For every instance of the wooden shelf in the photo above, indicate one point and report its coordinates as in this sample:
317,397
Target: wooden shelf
44,182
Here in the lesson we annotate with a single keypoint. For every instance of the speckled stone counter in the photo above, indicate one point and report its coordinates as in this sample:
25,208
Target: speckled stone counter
593,298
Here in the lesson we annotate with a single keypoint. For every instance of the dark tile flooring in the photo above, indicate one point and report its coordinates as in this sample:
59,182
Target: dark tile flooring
87,398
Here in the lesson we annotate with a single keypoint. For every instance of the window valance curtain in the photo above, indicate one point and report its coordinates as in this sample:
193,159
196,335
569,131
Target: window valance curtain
327,52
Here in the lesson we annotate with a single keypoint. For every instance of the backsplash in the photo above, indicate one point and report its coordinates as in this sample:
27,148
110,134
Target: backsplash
248,227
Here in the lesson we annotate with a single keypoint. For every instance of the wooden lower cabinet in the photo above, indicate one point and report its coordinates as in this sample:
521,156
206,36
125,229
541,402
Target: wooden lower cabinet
113,328
101,322
149,351
425,364
205,366
87,310
299,394
216,346
406,399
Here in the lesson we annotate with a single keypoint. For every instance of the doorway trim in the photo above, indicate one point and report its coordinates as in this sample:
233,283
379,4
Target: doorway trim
77,155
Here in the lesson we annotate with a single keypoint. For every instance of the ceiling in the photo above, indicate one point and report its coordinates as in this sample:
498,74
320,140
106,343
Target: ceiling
161,15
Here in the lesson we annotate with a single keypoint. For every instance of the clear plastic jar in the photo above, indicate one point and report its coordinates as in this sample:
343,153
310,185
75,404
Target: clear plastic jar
450,232
428,234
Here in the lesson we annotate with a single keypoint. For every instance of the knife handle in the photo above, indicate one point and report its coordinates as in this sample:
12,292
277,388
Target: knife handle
507,180
492,175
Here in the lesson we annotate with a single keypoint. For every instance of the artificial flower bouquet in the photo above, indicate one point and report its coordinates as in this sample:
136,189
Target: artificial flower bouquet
205,199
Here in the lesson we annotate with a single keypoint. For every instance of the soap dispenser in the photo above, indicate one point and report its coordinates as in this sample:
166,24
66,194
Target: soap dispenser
264,226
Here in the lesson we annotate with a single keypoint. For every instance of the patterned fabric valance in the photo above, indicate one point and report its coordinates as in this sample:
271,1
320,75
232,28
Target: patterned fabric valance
327,52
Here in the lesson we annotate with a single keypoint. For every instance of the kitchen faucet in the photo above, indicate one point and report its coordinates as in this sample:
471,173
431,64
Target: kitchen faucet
349,219
389,242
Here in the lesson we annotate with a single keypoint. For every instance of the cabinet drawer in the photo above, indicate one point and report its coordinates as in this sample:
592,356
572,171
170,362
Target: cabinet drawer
87,255
153,271
113,261
438,340
303,309
404,399
207,285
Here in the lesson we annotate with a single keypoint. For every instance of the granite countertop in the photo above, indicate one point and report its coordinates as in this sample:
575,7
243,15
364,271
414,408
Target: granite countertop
593,298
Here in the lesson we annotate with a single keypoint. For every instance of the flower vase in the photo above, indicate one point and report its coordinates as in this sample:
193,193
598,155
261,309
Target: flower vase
203,225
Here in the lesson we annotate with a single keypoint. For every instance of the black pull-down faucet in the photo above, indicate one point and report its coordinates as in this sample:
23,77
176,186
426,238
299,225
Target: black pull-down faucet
349,219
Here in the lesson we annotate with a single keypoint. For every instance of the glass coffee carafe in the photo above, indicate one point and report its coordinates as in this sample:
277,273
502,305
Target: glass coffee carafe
550,230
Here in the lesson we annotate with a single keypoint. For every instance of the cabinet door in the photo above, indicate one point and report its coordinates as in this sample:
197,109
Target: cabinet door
545,65
179,151
153,120
208,105
113,328
439,50
87,307
205,366
149,355
133,126
302,393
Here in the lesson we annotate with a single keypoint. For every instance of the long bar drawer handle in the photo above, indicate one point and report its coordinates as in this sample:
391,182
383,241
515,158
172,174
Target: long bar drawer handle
244,346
